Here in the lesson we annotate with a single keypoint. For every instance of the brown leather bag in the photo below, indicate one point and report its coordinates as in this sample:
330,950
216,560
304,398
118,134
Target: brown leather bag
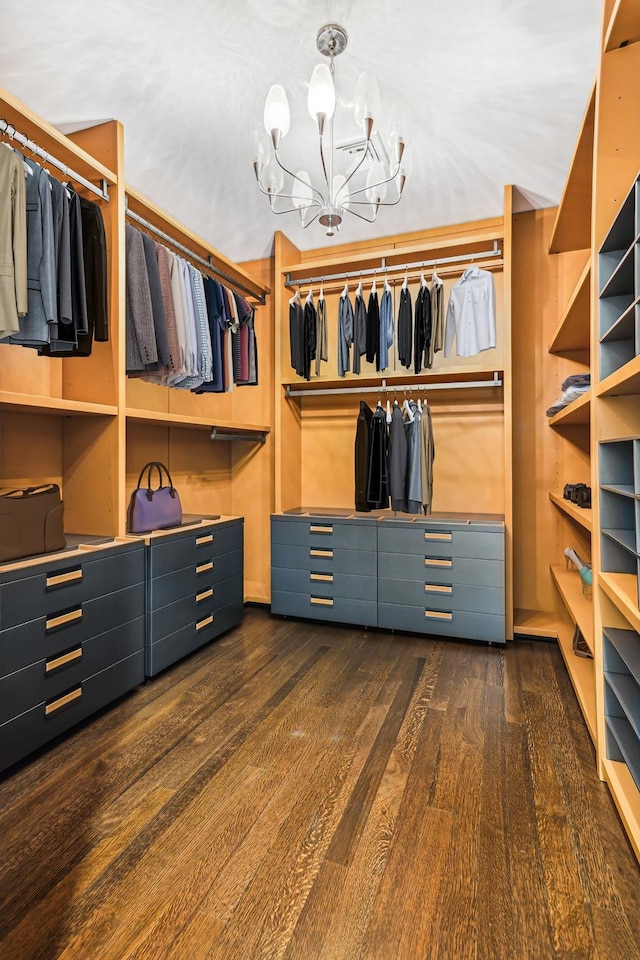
31,522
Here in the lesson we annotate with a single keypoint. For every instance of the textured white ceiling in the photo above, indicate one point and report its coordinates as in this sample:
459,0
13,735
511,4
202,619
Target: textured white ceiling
495,91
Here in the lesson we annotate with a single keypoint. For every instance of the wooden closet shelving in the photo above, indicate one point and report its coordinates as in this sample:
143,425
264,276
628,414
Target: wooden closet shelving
572,333
624,25
572,229
581,515
576,412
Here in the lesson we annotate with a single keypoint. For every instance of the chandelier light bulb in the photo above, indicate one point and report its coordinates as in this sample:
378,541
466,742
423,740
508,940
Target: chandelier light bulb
366,106
277,117
376,189
272,177
340,197
397,130
321,99
302,194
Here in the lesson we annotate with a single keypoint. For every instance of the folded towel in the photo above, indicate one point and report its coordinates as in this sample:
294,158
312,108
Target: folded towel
577,380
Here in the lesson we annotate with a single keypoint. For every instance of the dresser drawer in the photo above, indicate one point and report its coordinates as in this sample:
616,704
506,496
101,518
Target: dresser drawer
168,650
324,559
35,727
40,590
193,548
318,607
347,585
442,596
194,579
441,542
194,608
435,622
324,532
446,570
63,630
49,679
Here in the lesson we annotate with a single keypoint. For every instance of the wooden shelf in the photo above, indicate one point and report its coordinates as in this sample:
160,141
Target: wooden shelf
572,229
580,609
573,331
624,25
583,678
581,515
622,590
578,411
198,423
623,382
382,382
53,406
626,797
536,623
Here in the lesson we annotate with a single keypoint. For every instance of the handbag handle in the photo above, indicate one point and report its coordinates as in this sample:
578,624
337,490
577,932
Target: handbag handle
159,467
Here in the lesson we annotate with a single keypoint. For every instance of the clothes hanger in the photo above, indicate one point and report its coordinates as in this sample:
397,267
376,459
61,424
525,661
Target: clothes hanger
345,292
296,297
434,276
373,285
310,296
321,294
423,281
405,282
359,290
386,288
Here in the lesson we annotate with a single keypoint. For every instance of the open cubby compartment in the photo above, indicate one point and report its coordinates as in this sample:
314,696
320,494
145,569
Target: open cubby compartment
618,519
620,466
622,266
616,318
616,258
623,742
620,341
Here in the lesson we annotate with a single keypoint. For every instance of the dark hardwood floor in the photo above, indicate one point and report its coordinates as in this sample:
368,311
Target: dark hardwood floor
298,791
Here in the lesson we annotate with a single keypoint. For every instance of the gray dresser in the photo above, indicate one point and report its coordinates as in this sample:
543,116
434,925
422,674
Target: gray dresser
442,577
195,588
71,640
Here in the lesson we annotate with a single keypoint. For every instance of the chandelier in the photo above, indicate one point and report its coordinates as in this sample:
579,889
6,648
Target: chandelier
376,179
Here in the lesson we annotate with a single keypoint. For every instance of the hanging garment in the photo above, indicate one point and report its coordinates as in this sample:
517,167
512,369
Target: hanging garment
373,330
427,456
173,344
141,350
437,319
296,326
378,482
422,331
414,469
310,322
471,314
322,341
78,283
405,332
362,456
386,329
62,249
157,301
215,310
13,243
397,460
345,333
40,324
359,332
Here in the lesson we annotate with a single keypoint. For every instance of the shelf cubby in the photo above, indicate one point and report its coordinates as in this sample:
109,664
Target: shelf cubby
581,515
572,332
624,25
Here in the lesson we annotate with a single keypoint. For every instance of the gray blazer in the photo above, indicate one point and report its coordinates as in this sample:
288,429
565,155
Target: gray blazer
41,322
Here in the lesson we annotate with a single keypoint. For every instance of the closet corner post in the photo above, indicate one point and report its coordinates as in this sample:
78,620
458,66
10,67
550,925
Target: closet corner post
507,253
287,427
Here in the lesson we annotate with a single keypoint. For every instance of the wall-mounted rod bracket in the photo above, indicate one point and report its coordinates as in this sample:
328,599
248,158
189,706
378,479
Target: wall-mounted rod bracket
259,436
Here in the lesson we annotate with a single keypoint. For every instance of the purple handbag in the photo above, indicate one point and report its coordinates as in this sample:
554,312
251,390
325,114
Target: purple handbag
153,509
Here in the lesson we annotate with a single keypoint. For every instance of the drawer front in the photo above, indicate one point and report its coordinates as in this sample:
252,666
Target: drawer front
442,596
174,647
317,607
63,630
441,543
194,548
35,727
347,585
324,559
469,626
478,573
194,608
323,532
194,579
64,586
49,679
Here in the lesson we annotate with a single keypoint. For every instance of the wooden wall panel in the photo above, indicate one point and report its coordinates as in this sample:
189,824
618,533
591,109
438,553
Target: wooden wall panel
30,449
90,468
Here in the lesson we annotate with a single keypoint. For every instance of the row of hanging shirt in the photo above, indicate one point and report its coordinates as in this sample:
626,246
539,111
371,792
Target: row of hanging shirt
53,284
184,330
421,328
394,454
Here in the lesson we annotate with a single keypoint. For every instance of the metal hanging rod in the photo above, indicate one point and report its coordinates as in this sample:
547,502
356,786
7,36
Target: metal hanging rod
397,268
260,297
259,436
23,140
397,387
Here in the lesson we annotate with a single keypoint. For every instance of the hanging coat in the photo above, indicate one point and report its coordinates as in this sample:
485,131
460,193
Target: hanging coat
378,485
397,460
386,328
362,456
414,472
345,334
422,337
405,328
359,333
373,330
428,452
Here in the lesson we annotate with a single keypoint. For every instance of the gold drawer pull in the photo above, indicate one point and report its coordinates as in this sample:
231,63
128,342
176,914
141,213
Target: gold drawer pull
319,529
200,541
204,623
63,619
204,567
437,588
62,701
321,601
432,562
438,615
58,579
321,553
322,577
63,660
204,595
448,537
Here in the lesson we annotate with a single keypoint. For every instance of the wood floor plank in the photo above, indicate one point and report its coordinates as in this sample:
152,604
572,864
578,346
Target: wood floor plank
195,818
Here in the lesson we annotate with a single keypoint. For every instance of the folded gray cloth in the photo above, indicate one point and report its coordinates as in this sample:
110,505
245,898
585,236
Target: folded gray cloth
577,380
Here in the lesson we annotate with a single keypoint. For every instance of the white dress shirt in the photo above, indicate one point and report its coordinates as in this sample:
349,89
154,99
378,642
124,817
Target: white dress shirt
471,314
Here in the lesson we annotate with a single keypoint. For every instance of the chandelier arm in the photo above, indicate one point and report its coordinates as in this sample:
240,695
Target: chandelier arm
359,215
324,170
383,203
320,201
372,186
305,225
288,196
356,168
